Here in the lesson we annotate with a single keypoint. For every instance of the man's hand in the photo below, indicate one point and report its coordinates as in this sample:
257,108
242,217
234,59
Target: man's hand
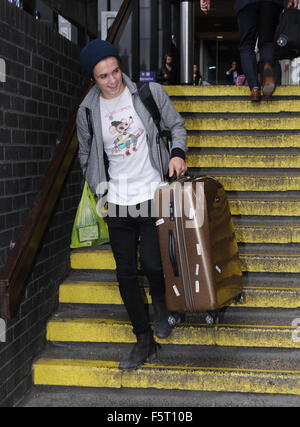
293,3
177,164
205,5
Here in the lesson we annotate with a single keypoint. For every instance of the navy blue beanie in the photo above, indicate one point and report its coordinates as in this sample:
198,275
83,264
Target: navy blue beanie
94,52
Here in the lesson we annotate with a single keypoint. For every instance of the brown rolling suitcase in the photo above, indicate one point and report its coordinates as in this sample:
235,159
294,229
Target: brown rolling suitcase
199,251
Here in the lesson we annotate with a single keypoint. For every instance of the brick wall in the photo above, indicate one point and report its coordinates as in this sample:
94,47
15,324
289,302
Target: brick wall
43,84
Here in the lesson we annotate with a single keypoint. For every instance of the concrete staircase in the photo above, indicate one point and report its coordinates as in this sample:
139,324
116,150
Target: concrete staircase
253,356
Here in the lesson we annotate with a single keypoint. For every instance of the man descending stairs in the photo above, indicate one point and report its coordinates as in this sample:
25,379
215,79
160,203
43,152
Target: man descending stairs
254,150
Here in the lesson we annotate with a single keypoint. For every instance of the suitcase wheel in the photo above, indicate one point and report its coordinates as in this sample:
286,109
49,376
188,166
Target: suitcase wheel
212,318
174,319
239,299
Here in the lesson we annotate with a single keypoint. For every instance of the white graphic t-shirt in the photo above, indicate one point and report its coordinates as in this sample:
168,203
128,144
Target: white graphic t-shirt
132,176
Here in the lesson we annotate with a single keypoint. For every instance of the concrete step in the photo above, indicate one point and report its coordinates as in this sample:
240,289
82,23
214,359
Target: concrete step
267,231
256,139
97,373
196,369
237,122
150,400
103,292
198,105
262,205
239,328
227,91
276,160
273,182
275,260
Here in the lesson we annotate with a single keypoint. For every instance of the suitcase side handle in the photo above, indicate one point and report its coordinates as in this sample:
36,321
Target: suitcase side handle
172,254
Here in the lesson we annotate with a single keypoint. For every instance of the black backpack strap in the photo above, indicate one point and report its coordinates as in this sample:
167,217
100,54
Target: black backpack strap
148,100
88,118
150,104
90,126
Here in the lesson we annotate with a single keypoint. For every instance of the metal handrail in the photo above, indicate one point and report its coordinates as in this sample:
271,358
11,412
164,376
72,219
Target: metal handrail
23,256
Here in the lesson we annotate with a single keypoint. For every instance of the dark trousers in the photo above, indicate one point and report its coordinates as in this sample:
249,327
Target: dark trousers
127,235
257,19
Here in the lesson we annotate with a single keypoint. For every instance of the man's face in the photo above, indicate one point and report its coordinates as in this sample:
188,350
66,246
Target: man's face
169,60
108,76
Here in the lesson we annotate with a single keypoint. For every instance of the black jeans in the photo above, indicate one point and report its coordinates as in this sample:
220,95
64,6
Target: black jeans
127,235
257,19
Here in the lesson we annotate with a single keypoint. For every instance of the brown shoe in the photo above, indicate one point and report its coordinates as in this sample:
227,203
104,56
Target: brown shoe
255,95
268,80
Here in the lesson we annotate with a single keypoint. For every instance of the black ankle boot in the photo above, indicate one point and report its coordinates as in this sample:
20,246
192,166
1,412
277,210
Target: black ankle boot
163,319
144,350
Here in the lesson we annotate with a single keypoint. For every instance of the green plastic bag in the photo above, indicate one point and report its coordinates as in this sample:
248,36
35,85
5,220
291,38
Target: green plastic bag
89,228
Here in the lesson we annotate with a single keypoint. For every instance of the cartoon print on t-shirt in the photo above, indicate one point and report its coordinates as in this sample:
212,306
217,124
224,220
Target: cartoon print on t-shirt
124,138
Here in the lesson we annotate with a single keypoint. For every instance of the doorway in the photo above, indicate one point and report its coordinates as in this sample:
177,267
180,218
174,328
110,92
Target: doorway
216,56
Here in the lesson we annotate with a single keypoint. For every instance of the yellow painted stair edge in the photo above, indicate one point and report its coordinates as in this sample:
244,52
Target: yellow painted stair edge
221,90
256,182
108,293
281,140
116,331
237,106
254,161
103,259
271,207
283,234
241,123
96,373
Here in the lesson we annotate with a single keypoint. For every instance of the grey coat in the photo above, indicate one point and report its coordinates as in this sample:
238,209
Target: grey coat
240,4
91,153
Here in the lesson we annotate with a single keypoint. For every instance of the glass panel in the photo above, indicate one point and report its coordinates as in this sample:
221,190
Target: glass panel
218,56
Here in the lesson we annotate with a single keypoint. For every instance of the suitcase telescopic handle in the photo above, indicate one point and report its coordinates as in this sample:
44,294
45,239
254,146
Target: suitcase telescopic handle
172,254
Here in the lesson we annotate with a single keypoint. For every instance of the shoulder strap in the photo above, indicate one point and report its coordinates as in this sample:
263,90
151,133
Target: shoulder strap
90,126
148,100
88,118
150,104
